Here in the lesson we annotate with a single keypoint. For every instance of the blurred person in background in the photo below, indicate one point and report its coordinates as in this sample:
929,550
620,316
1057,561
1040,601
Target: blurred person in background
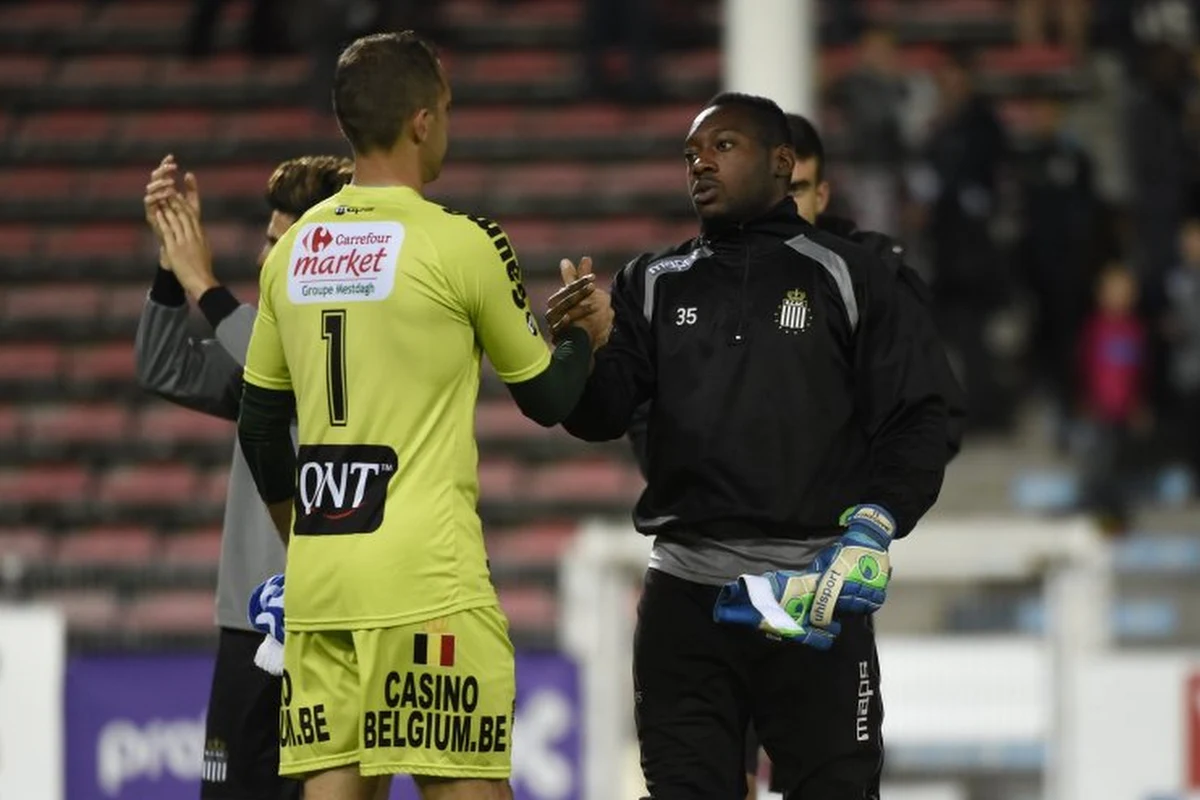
955,187
1033,22
870,99
738,483
1182,333
265,34
626,25
1113,398
1059,213
242,726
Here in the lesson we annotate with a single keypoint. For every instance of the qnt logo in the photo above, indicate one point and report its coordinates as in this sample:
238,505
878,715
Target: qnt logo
342,488
317,239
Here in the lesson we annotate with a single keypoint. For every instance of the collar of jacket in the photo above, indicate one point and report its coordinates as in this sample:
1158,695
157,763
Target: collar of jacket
781,220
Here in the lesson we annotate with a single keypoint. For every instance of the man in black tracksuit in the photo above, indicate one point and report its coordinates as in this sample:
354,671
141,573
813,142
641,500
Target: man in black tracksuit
787,385
810,192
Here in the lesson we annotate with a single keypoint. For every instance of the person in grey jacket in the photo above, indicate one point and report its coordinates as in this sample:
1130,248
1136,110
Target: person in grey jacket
241,752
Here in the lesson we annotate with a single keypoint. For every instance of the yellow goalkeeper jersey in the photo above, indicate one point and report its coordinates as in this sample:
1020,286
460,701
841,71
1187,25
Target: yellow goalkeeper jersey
374,309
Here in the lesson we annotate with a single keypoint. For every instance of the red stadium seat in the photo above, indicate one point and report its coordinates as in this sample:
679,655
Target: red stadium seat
462,178
236,180
543,543
583,121
224,69
501,419
557,180
85,609
283,124
166,423
121,183
1027,59
666,121
483,122
149,485
499,479
37,183
32,362
214,487
585,480
199,548
25,546
142,14
67,126
178,611
104,70
63,484
641,178
520,66
92,240
102,362
108,547
532,608
17,242
77,423
126,302
233,239
22,71
692,66
56,302
41,18
10,423
164,128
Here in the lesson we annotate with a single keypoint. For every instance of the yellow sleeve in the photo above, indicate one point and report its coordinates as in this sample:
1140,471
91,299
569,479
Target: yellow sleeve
266,366
498,306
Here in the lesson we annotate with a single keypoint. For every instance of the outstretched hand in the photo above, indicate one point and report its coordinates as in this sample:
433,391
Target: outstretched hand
185,249
580,302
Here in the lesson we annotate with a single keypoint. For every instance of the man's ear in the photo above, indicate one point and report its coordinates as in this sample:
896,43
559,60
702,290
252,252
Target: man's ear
421,122
784,159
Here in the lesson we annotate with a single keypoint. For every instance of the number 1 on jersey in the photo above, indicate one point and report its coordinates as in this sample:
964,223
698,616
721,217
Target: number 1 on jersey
333,331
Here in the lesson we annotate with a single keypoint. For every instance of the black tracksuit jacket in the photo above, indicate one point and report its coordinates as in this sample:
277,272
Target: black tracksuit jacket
787,384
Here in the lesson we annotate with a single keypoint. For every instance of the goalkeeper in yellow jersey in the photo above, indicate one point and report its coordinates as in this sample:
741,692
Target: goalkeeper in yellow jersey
375,310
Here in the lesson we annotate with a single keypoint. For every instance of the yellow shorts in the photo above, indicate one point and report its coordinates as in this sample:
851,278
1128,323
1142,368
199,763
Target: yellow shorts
433,698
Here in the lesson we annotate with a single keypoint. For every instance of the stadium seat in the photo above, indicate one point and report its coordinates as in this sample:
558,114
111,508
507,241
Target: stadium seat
167,424
74,126
108,547
149,485
582,480
532,608
24,184
25,546
101,363
30,362
164,129
52,428
60,486
90,71
17,242
177,611
56,309
93,240
85,609
499,479
271,124
148,14
525,67
542,543
214,488
123,304
10,423
196,548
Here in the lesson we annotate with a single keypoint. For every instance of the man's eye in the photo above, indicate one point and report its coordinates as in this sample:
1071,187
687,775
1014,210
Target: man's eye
724,145
689,156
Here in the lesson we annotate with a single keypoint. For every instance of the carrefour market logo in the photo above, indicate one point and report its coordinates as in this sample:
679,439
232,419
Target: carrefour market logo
340,262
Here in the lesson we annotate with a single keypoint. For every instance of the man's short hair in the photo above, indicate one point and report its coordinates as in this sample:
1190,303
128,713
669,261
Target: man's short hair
381,81
298,184
807,142
768,118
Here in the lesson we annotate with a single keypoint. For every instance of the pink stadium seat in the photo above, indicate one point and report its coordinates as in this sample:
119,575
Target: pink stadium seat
176,611
105,70
162,128
483,122
20,71
120,183
585,121
463,178
126,302
86,609
529,607
236,180
10,423
519,66
222,69
665,121
65,302
542,543
93,239
44,483
101,362
584,480
37,183
214,487
108,547
142,14
166,423
149,485
199,548
34,361
650,177
17,241
67,126
285,124
554,180
24,545
499,479
77,423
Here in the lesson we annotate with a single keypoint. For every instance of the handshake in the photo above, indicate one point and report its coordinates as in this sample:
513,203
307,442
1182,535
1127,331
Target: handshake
580,303
849,576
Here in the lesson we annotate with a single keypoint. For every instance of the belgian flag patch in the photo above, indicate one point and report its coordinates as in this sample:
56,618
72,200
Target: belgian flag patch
433,649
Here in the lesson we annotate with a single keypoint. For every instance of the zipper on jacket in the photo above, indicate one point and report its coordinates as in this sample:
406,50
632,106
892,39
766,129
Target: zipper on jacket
739,335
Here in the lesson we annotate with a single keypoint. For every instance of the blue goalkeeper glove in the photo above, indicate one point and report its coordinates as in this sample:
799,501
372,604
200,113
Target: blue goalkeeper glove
266,616
776,603
855,569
